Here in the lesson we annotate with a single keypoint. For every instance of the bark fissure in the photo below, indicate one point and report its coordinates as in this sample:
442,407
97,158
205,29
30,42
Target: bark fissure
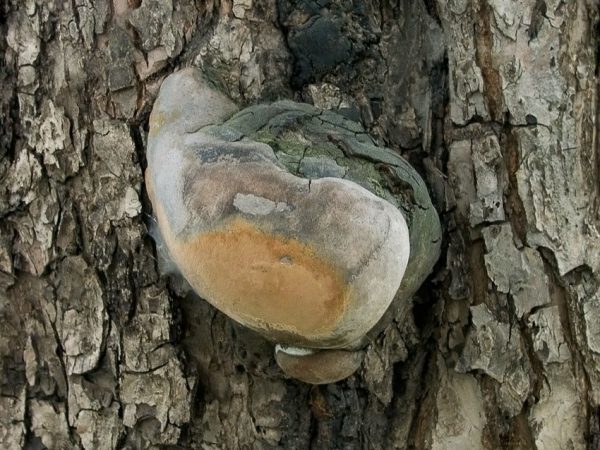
484,44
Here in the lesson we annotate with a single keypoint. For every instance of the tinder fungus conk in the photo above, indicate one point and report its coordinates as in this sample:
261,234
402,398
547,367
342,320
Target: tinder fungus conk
288,219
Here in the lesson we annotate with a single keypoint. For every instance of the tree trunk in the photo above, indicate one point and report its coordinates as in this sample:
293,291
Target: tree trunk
494,102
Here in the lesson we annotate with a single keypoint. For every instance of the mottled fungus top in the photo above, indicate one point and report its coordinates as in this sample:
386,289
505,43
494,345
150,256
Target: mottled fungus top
288,219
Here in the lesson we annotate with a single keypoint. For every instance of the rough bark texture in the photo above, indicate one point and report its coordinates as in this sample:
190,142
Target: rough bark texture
495,102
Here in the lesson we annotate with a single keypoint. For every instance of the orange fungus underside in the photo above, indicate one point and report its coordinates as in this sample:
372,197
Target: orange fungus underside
264,280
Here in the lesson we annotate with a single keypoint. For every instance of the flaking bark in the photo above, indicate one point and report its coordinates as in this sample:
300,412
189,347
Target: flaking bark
494,102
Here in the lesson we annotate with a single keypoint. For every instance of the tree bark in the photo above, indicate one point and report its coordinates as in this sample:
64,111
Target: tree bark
494,102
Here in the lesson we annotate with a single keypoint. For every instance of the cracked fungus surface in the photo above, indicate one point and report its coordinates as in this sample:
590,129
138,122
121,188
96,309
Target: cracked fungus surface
279,283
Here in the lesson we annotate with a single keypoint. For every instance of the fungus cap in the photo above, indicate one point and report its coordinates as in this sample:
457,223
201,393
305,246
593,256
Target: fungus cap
309,262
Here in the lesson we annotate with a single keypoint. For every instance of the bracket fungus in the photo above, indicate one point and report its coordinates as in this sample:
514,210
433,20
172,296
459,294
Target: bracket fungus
288,219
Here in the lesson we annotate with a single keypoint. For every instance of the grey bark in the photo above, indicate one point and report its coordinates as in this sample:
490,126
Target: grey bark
495,102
